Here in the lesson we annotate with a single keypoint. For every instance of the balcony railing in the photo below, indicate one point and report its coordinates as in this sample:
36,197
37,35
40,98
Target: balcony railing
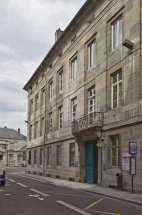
92,120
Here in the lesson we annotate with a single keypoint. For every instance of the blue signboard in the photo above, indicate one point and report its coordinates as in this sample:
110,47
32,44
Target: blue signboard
133,148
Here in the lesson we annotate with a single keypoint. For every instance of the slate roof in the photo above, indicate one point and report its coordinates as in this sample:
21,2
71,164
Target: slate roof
9,133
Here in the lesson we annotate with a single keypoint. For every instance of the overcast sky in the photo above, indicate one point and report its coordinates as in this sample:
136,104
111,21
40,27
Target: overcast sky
27,32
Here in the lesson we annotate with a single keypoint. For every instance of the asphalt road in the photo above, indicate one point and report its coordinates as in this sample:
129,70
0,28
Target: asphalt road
25,195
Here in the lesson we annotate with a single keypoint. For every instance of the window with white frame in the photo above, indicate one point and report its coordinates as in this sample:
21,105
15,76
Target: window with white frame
51,90
92,54
35,156
43,97
61,117
74,68
74,108
31,107
41,156
117,33
117,89
72,154
59,155
50,125
91,105
36,103
60,81
49,156
114,151
36,129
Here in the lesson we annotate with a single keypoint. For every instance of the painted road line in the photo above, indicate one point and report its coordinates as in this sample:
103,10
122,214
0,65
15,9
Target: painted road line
33,178
43,194
70,194
22,185
11,180
92,205
101,212
74,208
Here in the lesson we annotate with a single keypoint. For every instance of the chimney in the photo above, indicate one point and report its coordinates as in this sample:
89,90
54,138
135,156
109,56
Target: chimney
18,131
58,34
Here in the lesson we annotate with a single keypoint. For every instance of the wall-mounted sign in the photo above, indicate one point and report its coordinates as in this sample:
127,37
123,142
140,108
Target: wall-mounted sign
133,148
125,162
132,165
100,144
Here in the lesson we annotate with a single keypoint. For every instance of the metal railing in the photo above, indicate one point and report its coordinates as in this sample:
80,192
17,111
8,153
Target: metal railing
91,120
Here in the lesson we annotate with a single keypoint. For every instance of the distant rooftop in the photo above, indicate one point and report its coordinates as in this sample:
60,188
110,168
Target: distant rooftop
9,133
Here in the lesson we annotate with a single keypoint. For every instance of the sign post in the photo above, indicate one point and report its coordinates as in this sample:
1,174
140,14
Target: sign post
132,168
132,151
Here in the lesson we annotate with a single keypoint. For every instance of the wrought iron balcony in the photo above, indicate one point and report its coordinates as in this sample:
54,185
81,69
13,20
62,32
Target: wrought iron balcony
94,119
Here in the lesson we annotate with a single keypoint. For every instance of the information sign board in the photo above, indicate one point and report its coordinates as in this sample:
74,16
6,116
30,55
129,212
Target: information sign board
132,165
133,148
125,162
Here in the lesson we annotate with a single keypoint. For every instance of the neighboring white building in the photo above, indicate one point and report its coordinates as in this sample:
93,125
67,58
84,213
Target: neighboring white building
12,147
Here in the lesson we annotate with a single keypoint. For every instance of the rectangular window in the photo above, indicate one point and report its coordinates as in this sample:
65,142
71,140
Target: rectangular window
36,129
36,105
29,162
31,107
50,126
49,156
92,54
60,117
74,108
117,90
72,154
91,105
31,134
42,126
43,97
74,69
51,89
117,33
114,151
41,156
58,155
35,156
61,81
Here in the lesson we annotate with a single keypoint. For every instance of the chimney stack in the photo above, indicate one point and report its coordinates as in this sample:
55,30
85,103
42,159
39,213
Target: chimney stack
58,34
18,131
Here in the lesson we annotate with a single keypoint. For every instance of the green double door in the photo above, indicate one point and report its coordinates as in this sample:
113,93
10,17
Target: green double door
91,162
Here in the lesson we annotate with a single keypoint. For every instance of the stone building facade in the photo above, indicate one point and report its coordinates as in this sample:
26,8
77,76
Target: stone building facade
88,90
12,147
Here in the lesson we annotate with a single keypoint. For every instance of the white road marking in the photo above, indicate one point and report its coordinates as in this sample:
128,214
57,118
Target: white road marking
22,185
43,194
33,178
74,208
11,180
36,196
7,194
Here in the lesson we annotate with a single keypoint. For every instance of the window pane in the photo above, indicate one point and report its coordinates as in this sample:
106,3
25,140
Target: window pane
115,35
114,78
113,161
91,101
120,31
113,139
94,54
120,76
114,150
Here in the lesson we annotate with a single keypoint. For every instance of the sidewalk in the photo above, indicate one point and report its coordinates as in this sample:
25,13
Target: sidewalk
92,188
